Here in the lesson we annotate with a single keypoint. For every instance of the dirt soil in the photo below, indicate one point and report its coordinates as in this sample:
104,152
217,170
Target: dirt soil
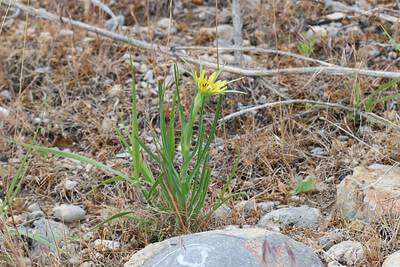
82,80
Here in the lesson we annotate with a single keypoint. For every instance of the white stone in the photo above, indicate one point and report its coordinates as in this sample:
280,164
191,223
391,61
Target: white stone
69,213
294,216
104,245
33,207
348,252
3,113
317,32
319,151
65,32
35,215
225,32
70,185
164,23
266,206
393,260
335,16
228,59
334,264
246,205
115,90
231,246
221,213
88,264
143,68
367,190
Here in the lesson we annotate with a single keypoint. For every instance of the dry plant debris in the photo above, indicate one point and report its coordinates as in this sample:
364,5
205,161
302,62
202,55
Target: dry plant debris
81,80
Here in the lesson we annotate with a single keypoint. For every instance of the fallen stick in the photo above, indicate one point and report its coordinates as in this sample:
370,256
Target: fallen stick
41,13
368,115
374,12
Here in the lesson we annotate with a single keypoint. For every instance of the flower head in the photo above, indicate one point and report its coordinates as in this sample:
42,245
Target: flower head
208,86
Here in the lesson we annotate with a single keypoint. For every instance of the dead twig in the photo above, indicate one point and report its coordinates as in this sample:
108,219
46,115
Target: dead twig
374,11
41,13
368,115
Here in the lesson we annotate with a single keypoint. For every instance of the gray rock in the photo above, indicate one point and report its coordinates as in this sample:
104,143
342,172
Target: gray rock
112,23
319,151
293,216
365,194
181,69
246,205
53,232
225,31
230,59
221,213
148,76
348,252
164,23
229,247
393,260
335,16
223,42
115,90
266,206
104,245
327,243
34,215
5,94
33,207
74,261
69,213
143,68
262,99
373,53
88,264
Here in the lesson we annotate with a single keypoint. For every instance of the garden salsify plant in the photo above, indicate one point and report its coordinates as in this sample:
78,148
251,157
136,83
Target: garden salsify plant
180,190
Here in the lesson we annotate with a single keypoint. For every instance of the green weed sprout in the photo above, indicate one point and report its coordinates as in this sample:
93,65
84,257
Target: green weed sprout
306,47
179,191
302,186
368,103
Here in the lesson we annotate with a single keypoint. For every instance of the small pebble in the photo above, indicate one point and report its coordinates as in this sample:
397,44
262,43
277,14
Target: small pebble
74,261
34,215
115,91
69,185
221,213
392,55
143,68
266,206
104,245
164,23
69,213
33,207
88,264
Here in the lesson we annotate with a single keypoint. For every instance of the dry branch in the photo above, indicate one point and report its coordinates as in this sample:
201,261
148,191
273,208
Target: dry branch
374,12
368,115
41,13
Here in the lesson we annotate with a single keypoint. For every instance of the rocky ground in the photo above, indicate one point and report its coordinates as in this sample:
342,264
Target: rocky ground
82,82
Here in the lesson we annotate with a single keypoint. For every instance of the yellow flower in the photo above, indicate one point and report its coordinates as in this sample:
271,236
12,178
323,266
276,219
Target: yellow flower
208,86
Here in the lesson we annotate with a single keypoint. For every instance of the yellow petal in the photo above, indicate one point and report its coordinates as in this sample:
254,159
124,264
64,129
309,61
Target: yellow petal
212,77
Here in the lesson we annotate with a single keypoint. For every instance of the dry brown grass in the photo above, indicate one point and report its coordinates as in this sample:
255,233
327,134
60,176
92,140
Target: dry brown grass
75,72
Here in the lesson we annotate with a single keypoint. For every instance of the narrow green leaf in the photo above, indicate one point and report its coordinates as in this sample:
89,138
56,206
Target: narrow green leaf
122,214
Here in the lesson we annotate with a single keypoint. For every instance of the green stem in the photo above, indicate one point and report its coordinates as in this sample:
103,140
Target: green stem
188,132
135,132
